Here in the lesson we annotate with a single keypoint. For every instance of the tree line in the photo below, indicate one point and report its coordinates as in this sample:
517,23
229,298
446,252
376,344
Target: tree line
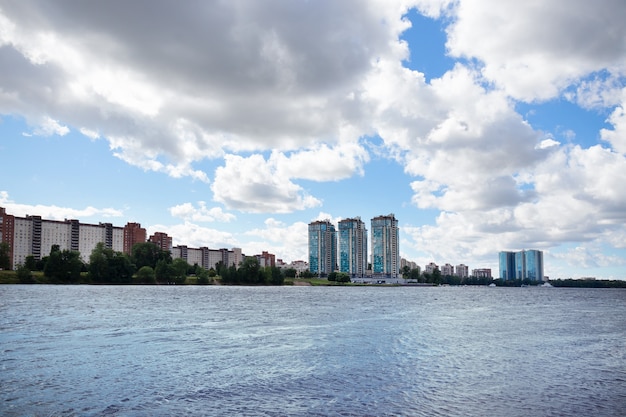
147,264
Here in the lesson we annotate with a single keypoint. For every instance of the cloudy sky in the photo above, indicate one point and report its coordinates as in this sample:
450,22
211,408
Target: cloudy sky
482,125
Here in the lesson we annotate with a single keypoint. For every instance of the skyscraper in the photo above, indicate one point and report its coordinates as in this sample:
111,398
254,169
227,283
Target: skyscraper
322,247
353,247
385,246
507,265
525,264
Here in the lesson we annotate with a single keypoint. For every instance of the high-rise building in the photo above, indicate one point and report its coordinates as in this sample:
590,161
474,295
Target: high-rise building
525,264
162,240
462,271
322,247
34,236
385,247
353,247
447,270
507,265
133,233
7,226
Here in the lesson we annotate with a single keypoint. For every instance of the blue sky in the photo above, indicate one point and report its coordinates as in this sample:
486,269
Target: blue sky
481,126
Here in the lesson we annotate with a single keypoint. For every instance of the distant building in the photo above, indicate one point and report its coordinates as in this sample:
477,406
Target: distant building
507,265
410,264
299,266
353,247
447,270
322,247
462,271
133,234
430,268
266,259
385,248
162,240
34,236
208,258
525,264
481,273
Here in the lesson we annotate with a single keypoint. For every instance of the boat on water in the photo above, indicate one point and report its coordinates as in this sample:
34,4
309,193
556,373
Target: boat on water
547,285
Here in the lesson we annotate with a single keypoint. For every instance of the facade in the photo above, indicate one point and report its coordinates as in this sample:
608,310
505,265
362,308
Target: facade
430,268
353,247
34,236
322,247
385,247
266,259
133,234
447,270
462,271
507,265
481,273
162,240
208,258
525,264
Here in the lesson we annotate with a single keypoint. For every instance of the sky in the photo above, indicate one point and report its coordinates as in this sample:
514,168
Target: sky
482,126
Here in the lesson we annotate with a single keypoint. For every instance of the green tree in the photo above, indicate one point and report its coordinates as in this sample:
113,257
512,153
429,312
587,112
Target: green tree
108,266
24,275
290,272
146,275
31,263
250,271
164,272
179,268
5,258
307,274
63,266
274,276
203,276
405,271
147,253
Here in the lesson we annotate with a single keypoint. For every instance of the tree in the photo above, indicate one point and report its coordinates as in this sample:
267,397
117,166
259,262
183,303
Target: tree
276,276
5,259
203,276
179,268
108,266
63,266
250,271
290,272
146,275
147,253
24,275
164,272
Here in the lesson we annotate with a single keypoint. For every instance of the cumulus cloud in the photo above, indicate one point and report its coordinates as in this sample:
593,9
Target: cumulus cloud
55,212
193,235
549,46
254,185
274,93
202,213
288,240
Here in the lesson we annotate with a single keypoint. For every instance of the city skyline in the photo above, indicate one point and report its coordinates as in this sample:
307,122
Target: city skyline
484,127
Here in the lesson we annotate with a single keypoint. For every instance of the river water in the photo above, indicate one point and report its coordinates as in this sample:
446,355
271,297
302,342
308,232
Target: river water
311,351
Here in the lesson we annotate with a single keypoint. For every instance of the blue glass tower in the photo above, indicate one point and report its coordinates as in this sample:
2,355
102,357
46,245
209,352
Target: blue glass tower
385,246
322,247
353,247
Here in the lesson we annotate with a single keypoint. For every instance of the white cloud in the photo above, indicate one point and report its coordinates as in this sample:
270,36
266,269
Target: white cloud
255,185
545,48
55,212
195,236
287,241
202,213
617,136
49,127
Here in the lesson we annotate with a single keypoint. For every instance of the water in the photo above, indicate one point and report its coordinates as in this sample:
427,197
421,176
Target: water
311,351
